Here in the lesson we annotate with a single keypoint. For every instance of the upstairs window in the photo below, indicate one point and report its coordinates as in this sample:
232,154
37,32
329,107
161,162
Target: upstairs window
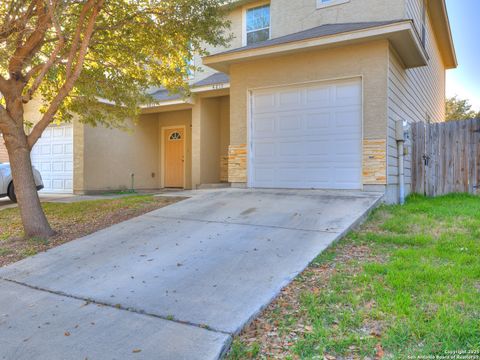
258,24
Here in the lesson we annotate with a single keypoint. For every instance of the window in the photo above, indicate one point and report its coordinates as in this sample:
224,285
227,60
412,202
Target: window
258,24
175,136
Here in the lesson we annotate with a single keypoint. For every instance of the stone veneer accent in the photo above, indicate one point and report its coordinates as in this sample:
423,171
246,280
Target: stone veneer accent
374,162
223,168
237,163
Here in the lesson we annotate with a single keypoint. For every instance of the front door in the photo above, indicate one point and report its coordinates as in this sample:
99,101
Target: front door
174,157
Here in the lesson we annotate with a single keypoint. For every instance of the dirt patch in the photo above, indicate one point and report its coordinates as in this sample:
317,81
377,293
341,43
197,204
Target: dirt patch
90,219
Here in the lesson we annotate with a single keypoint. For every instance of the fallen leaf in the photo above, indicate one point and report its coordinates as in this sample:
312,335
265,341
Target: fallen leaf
67,333
379,351
136,351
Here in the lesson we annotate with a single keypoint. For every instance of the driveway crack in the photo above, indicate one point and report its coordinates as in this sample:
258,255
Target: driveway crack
327,231
89,301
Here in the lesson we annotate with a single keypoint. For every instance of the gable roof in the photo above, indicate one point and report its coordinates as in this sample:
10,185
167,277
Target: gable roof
217,78
162,94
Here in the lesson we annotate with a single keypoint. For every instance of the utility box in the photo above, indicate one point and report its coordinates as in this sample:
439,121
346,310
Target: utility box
402,130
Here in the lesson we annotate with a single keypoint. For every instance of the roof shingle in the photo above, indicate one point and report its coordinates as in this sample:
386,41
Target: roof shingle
319,31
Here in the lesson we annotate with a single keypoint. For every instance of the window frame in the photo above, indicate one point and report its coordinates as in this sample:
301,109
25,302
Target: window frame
322,4
244,22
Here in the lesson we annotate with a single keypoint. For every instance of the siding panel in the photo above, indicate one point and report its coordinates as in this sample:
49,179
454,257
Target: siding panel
414,95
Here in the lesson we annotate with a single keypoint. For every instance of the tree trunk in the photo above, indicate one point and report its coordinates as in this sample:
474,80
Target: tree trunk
34,220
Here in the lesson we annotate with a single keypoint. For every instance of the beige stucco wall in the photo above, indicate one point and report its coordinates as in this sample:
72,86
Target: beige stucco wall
289,17
235,18
176,118
78,157
210,138
210,141
32,111
368,60
224,125
111,155
293,16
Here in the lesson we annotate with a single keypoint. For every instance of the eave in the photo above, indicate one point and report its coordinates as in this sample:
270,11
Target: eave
443,32
401,35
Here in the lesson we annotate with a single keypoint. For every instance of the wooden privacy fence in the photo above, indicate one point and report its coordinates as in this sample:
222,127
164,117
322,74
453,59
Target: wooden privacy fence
446,157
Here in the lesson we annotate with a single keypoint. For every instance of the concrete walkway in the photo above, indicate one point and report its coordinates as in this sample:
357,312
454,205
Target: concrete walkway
176,283
5,202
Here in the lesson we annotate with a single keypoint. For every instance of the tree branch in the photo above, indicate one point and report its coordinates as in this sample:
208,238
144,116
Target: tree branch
69,81
25,51
11,26
77,36
53,56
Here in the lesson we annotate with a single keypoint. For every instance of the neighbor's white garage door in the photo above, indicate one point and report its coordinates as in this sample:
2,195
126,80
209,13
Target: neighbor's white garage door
52,155
307,137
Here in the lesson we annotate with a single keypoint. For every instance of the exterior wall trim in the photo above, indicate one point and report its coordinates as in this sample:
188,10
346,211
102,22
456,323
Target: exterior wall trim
168,103
391,32
162,153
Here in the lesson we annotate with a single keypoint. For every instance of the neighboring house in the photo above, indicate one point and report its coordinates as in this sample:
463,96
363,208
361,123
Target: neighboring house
306,96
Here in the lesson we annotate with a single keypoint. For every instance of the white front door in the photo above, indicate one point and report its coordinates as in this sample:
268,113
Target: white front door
52,155
307,136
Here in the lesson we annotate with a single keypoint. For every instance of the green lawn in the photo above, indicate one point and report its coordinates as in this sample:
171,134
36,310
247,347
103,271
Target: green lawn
406,284
71,221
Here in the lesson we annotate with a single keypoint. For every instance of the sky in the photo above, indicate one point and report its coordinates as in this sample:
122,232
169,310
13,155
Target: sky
465,80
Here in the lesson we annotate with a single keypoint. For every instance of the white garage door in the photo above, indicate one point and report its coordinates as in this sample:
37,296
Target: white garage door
52,155
307,137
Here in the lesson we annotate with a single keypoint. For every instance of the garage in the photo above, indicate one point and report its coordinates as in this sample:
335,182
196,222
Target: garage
307,136
52,155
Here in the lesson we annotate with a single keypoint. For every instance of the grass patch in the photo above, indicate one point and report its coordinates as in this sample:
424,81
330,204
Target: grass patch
71,221
406,284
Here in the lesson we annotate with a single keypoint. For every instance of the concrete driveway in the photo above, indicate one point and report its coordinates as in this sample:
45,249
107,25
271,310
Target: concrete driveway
176,283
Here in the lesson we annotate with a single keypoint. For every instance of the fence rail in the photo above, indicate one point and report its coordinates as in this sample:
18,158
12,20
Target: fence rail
446,157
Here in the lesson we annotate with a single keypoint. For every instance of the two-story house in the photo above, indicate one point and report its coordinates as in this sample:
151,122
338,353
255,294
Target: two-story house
306,96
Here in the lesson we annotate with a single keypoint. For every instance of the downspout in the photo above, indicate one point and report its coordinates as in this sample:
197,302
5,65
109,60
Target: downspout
401,170
400,137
